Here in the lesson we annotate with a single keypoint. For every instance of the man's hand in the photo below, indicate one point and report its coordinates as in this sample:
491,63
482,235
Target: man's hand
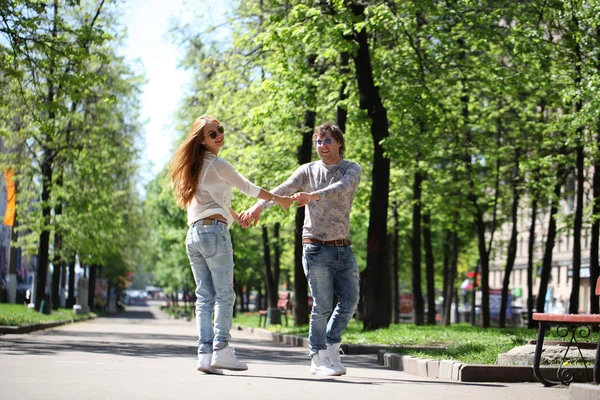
251,216
302,198
284,201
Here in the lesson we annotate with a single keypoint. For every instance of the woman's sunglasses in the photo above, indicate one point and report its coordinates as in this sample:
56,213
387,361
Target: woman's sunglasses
213,134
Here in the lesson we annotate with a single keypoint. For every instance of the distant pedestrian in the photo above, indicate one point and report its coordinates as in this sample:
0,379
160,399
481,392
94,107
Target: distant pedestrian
203,185
329,264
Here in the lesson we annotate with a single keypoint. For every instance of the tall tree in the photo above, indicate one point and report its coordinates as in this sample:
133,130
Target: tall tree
377,298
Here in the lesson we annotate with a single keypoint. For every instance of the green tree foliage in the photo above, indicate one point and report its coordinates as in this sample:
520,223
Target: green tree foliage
70,124
490,109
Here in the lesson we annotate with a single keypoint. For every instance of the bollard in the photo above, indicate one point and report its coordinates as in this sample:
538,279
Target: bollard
46,307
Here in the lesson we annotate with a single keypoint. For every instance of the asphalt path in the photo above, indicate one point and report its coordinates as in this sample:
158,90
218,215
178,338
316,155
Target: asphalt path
142,354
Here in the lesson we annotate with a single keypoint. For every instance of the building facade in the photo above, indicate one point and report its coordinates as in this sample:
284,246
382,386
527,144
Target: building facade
560,283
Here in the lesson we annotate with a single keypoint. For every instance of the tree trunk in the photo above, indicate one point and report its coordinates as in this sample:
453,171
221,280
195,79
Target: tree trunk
595,234
418,304
300,282
594,267
484,263
530,251
57,261
576,276
71,301
446,306
377,297
577,224
44,245
341,112
453,273
547,262
92,287
429,268
277,257
474,297
269,283
14,237
512,246
63,282
394,286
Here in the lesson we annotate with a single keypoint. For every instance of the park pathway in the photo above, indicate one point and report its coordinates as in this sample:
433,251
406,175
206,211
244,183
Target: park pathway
142,354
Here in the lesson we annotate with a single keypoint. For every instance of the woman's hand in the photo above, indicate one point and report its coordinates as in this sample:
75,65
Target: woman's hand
250,216
238,218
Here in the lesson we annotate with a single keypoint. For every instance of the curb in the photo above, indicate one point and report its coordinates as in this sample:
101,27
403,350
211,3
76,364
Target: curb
582,391
37,327
461,372
444,369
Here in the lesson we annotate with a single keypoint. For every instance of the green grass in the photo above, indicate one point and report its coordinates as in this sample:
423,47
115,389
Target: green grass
180,312
18,314
460,342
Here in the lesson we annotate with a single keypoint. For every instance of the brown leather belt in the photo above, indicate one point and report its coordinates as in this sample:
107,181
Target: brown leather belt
337,243
208,221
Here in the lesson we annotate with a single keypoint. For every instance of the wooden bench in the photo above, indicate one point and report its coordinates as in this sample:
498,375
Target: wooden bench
573,327
283,304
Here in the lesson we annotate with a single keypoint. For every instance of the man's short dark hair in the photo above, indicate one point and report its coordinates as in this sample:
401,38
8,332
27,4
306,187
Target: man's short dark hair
335,132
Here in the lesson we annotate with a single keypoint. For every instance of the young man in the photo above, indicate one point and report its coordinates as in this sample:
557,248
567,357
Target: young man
329,186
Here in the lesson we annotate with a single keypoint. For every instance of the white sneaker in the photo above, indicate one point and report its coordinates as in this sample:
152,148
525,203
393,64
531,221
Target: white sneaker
321,364
204,364
226,359
334,355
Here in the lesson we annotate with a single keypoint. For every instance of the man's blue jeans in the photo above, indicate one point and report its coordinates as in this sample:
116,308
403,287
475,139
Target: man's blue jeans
330,270
211,257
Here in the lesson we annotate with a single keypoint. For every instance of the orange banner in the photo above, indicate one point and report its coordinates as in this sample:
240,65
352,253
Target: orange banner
11,204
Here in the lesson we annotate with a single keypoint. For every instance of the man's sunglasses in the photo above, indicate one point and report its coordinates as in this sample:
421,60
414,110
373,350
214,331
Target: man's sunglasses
213,134
320,142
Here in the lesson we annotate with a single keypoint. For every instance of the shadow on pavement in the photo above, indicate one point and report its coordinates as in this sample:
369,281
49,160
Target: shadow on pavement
144,350
133,314
126,337
357,380
140,311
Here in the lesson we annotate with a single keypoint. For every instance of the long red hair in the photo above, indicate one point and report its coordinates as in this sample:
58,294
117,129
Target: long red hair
186,164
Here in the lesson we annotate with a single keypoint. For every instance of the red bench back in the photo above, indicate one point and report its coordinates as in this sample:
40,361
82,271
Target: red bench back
284,301
598,287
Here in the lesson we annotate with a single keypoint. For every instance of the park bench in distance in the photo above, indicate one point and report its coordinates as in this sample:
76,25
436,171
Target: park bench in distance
283,304
573,325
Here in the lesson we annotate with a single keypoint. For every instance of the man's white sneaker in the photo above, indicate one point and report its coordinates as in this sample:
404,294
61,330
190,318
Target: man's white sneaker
321,364
204,364
336,360
226,359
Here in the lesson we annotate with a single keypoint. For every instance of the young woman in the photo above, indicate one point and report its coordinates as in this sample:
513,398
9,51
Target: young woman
203,185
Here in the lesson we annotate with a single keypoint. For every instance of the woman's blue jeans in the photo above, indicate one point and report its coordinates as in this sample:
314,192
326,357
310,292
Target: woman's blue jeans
211,257
330,270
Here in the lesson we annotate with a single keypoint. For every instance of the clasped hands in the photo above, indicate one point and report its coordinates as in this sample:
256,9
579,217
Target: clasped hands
252,215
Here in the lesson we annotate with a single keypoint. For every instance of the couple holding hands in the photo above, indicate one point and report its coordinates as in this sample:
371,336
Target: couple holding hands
203,184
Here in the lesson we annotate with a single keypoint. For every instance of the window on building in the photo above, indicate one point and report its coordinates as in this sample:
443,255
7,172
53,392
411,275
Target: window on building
521,246
586,234
569,193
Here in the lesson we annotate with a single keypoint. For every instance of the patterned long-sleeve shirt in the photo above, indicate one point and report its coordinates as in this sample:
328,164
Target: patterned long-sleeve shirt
329,217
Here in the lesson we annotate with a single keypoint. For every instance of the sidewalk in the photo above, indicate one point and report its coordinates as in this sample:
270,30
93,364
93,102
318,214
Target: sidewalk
143,355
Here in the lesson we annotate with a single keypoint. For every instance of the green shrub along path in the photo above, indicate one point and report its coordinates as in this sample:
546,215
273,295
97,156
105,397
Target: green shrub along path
20,315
